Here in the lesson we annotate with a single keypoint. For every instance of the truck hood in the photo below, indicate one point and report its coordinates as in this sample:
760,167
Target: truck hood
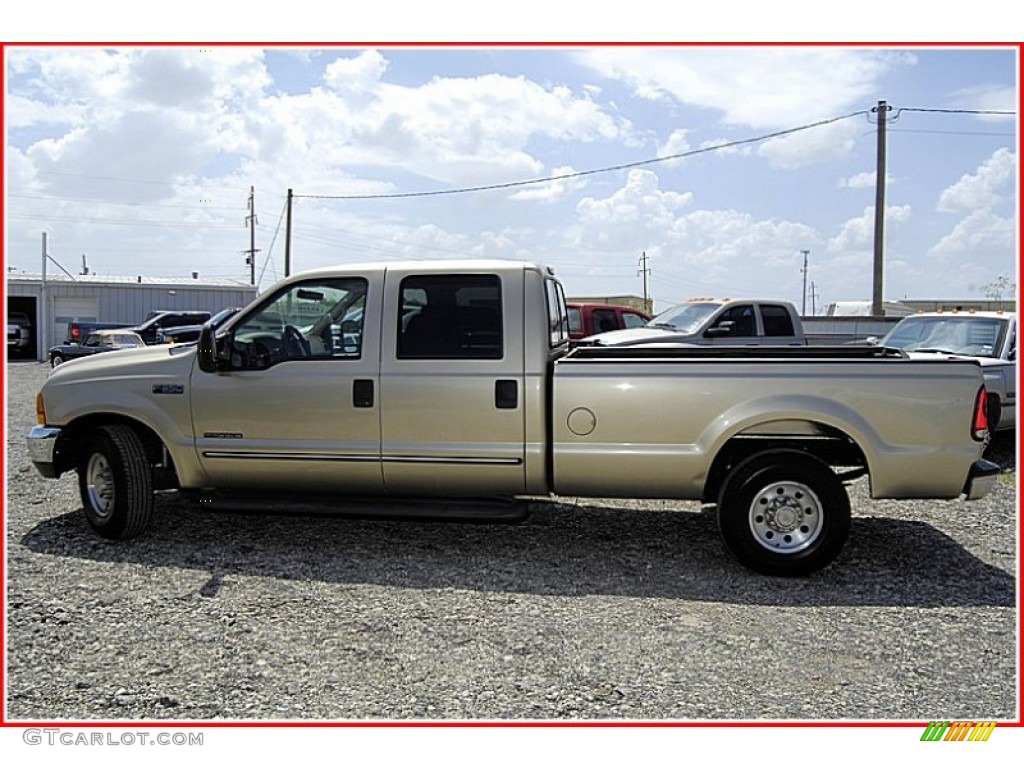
157,361
630,336
986,362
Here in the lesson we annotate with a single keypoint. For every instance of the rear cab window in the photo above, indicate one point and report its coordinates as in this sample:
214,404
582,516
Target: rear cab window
560,319
450,317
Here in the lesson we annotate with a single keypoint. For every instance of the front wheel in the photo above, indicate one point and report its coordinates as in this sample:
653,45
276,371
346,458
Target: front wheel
116,483
783,513
56,360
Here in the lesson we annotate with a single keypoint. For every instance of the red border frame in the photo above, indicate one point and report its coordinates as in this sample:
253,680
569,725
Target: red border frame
164,724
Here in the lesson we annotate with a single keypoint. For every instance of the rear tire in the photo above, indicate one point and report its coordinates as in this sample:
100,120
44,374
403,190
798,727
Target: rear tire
116,483
783,513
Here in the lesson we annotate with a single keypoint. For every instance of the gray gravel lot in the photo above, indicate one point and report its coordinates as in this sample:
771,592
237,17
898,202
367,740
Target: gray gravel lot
602,610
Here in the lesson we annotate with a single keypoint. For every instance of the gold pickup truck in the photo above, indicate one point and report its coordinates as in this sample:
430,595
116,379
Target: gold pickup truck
453,379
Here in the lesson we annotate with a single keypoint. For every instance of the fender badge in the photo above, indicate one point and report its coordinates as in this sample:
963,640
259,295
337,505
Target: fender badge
168,389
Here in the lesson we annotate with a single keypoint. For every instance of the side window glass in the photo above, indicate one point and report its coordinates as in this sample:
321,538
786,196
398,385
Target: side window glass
575,319
631,320
450,317
740,321
317,319
777,321
604,320
560,318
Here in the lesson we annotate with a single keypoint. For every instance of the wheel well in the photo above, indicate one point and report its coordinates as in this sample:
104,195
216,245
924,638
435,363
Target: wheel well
73,439
831,446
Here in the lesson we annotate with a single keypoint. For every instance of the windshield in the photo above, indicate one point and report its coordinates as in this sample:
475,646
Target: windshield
223,315
685,318
958,335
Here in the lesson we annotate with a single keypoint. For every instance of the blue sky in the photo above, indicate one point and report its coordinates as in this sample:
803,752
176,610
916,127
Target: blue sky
142,159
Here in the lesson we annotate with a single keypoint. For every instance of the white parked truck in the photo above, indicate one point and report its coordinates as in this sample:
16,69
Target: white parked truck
722,322
988,337
454,380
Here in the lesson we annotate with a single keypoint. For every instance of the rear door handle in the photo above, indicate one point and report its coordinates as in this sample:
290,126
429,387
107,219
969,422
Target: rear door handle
362,393
506,393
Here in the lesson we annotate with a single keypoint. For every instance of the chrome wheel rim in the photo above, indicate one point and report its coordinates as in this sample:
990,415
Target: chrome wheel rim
786,517
99,483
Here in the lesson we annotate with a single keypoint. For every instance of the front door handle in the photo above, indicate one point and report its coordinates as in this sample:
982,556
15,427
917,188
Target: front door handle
506,393
362,393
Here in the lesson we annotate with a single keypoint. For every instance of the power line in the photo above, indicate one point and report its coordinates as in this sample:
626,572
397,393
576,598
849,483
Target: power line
957,111
607,169
96,201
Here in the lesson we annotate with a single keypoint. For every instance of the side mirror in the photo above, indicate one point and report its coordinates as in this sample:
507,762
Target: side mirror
724,328
206,351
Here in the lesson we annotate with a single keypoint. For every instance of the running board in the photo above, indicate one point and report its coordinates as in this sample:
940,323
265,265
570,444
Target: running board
440,510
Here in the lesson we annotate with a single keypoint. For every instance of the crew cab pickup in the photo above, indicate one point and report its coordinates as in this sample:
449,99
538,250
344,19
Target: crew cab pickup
729,322
453,379
988,337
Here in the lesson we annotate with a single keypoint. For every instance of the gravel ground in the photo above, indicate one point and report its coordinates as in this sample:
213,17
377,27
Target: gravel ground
602,610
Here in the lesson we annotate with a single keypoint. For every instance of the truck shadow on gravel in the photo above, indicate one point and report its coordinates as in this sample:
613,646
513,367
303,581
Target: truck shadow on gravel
561,549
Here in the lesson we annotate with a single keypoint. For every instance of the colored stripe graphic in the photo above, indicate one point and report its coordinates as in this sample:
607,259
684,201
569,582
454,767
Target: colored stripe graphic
959,730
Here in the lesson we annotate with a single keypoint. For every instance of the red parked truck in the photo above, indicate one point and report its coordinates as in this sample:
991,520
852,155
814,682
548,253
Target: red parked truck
586,319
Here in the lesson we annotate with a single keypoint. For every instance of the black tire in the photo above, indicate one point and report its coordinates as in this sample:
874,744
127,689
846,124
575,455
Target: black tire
56,360
993,411
783,513
116,483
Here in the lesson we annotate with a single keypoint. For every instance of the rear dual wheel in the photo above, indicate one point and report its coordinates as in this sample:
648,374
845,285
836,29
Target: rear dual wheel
783,513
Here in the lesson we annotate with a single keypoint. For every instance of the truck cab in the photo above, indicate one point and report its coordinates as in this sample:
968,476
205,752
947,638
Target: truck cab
708,321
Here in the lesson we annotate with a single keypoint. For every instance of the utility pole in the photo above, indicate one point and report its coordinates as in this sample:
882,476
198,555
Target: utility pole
803,307
250,259
44,314
879,262
814,299
288,236
645,271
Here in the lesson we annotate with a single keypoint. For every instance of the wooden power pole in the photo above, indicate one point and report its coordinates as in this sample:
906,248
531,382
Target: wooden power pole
879,264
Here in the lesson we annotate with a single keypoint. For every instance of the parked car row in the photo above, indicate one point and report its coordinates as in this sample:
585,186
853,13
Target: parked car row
86,338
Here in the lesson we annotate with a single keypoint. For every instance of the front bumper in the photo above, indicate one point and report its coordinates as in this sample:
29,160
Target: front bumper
981,479
42,446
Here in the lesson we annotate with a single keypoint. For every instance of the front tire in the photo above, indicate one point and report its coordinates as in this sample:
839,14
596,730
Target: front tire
56,360
116,483
783,513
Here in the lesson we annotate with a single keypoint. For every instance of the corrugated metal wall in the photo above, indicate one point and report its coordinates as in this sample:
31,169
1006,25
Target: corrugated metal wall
127,303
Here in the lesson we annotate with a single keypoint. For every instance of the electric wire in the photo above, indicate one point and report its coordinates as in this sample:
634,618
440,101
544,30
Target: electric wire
594,171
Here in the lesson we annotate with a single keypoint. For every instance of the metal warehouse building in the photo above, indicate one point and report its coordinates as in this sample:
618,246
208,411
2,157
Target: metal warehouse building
53,303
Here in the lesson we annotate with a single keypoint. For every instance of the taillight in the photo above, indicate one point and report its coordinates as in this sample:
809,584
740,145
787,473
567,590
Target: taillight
979,425
75,331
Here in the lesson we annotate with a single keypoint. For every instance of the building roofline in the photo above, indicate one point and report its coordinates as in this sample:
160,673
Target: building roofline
124,281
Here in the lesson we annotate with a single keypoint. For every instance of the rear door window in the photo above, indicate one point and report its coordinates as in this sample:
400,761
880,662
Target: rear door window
450,317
